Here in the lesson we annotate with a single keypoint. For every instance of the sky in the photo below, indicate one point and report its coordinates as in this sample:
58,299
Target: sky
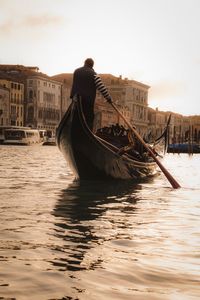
156,42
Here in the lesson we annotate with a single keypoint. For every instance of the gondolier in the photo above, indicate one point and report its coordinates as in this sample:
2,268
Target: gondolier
91,156
85,83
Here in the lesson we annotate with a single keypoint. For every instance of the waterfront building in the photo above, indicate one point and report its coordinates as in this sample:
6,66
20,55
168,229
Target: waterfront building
65,96
195,128
157,121
43,102
181,129
105,115
4,106
131,94
37,100
66,81
178,127
16,89
137,100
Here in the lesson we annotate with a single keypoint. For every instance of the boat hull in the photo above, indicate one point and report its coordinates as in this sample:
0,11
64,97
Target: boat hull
89,157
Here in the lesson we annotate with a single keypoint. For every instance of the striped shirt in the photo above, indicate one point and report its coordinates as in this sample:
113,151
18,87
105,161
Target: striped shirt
101,87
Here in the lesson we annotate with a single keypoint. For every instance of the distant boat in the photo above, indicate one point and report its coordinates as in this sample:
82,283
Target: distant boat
183,148
21,136
4,127
93,157
50,141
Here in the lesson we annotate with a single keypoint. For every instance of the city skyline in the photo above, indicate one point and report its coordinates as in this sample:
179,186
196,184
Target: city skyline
155,42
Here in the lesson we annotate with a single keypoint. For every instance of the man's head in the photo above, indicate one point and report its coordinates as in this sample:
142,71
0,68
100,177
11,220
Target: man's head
89,63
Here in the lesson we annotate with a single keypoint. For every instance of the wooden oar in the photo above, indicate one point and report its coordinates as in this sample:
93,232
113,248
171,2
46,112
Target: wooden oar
173,182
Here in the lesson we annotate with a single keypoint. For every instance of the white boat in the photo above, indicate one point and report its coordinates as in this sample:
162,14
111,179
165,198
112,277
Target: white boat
4,127
22,136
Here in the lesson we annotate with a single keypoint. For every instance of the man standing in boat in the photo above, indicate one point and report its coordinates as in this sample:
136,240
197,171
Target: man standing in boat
85,83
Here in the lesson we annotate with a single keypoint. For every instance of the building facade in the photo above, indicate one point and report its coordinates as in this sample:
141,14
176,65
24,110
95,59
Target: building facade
195,128
65,98
4,106
105,115
136,98
16,89
31,98
132,95
181,129
157,121
42,102
35,98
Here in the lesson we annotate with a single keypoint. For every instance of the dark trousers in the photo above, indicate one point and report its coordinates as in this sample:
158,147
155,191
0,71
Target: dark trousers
88,110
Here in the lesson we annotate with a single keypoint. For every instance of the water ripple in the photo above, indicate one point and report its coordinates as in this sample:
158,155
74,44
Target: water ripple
62,239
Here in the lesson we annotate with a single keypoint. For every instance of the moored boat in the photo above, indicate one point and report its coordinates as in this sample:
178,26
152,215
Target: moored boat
50,141
21,136
189,148
93,157
5,127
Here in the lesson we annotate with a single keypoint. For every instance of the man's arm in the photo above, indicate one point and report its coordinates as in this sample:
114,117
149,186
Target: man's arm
101,88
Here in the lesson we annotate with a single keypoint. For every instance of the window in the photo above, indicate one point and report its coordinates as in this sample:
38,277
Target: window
30,114
30,94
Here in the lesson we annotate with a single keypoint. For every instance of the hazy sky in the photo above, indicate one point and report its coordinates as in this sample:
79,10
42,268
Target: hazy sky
156,42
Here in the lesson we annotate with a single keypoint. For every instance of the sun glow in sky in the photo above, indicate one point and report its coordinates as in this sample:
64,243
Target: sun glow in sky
156,42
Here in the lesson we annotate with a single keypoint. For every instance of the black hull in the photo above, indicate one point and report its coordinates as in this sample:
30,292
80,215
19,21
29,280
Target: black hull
90,157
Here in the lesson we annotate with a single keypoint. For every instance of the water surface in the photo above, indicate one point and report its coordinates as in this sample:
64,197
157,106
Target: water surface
61,239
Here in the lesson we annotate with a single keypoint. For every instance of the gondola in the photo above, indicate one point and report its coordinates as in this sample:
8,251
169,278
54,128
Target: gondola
93,157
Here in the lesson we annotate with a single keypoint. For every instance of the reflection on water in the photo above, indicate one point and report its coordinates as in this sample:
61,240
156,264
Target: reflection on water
61,239
78,207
